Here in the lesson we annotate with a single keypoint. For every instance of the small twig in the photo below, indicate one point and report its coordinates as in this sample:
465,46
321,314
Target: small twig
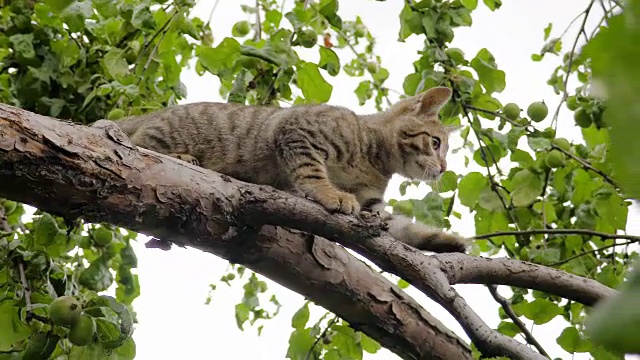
588,166
565,93
25,284
600,234
324,332
215,5
591,252
27,296
258,34
506,306
470,107
582,162
153,52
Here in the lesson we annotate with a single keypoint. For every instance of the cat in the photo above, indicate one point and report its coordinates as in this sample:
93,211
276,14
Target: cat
341,160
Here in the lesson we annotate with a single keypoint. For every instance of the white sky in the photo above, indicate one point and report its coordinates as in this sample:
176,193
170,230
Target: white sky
173,320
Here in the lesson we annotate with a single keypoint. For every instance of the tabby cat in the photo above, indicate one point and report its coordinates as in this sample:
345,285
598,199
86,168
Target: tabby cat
339,159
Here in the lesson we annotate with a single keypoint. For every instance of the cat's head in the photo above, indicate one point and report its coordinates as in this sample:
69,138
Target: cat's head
422,141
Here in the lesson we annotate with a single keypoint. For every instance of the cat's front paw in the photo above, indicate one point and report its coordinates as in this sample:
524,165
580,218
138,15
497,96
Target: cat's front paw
336,201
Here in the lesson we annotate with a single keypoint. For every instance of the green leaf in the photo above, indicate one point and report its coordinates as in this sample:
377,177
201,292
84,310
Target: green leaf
364,92
615,63
448,181
221,57
126,351
489,76
57,6
547,31
242,314
23,45
430,209
541,311
615,321
571,341
368,344
12,328
470,187
300,342
493,4
328,8
329,61
97,276
470,4
525,187
300,318
115,64
314,87
91,351
508,328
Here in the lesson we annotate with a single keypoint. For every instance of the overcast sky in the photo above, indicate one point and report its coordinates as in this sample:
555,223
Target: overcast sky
173,320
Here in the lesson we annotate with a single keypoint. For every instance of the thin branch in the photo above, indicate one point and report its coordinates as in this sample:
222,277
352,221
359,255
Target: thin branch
322,335
587,165
602,235
506,306
258,34
496,114
582,162
563,261
565,93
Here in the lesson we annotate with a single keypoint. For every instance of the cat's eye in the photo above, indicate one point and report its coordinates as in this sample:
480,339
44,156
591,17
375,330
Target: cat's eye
435,143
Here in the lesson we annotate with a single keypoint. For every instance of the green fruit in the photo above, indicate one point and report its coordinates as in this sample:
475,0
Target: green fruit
562,143
82,332
555,159
511,111
308,38
46,229
572,103
40,346
65,311
581,151
537,111
102,236
241,28
582,118
115,114
372,67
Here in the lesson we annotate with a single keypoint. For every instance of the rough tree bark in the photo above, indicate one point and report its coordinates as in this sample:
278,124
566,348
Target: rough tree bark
95,173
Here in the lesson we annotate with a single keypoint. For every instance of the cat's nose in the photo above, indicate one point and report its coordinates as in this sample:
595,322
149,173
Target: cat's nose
443,168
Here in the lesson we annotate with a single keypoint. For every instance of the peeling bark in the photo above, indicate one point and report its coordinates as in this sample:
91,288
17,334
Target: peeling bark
95,173
75,171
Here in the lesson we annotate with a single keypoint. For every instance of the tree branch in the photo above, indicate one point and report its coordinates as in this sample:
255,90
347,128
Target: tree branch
462,269
603,235
506,306
75,171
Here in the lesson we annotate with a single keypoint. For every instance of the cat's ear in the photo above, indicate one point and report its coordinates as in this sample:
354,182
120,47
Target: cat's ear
432,100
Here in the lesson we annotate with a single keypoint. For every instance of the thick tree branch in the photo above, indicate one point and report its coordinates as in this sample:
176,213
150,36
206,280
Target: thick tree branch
77,171
462,269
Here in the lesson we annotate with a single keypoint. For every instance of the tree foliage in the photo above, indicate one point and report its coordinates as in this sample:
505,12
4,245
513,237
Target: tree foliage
538,197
